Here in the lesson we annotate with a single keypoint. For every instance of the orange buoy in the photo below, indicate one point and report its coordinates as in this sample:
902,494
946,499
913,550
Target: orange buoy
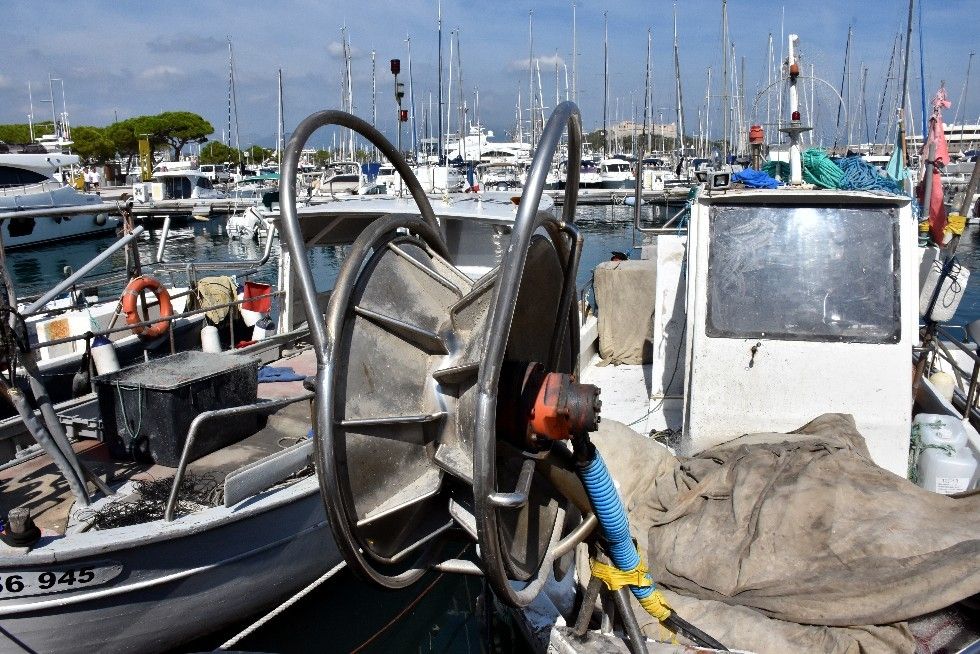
129,301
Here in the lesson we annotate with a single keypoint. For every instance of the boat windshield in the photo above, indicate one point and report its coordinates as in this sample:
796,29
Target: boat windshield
804,273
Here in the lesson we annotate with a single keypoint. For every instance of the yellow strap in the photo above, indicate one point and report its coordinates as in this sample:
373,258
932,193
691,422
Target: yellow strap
955,223
614,578
656,605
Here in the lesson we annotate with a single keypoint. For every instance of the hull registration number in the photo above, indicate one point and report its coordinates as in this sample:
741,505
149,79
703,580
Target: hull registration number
62,579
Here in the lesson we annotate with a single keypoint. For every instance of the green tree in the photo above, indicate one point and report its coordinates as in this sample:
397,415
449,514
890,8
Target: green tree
178,128
92,144
218,152
21,133
257,154
321,158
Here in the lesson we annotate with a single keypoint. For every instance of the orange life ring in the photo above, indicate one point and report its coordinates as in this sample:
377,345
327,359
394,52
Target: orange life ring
129,302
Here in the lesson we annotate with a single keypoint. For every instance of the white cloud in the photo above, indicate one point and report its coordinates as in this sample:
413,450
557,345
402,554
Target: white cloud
158,72
546,62
336,50
5,82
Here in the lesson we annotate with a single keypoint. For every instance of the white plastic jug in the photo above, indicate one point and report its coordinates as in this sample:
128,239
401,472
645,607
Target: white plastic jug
263,329
946,464
104,355
209,339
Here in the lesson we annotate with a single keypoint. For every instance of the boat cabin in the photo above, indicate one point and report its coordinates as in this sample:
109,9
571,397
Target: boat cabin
791,303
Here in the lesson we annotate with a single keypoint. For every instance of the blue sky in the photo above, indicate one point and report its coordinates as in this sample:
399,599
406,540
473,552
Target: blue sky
128,58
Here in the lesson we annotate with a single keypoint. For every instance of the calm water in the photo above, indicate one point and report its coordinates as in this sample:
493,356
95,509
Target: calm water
606,228
441,613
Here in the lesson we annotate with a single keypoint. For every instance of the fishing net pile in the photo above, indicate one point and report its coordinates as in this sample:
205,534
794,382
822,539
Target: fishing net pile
850,173
795,542
149,500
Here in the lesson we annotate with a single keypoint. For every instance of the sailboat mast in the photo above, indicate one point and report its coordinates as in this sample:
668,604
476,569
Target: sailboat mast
905,83
769,85
30,116
677,82
963,99
411,100
439,112
462,96
844,99
574,55
280,126
646,91
707,112
530,72
724,80
449,94
884,88
605,84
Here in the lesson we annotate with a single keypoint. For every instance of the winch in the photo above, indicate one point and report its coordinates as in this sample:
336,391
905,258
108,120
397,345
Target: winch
446,405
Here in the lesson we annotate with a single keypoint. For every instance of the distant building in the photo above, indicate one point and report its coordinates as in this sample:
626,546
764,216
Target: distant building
958,137
626,128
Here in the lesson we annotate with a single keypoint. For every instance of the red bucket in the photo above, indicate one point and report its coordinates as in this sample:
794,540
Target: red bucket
255,290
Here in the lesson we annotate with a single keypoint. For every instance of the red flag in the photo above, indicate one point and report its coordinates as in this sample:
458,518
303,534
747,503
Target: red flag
935,208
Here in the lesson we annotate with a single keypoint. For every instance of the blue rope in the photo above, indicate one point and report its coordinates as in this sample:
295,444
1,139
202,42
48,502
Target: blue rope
859,175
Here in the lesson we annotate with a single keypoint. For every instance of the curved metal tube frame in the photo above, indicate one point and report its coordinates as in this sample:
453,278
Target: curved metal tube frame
565,116
334,487
289,223
325,336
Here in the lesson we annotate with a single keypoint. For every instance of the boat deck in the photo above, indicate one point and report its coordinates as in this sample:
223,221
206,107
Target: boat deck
37,484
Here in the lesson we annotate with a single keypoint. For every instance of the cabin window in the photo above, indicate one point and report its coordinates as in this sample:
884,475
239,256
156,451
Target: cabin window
10,176
804,273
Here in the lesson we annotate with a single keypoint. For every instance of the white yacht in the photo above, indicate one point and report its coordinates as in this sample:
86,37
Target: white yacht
615,173
30,179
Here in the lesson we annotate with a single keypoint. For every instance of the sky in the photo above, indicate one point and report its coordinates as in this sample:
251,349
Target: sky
120,59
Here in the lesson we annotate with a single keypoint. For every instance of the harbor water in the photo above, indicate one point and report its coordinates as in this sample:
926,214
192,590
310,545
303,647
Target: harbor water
606,228
443,613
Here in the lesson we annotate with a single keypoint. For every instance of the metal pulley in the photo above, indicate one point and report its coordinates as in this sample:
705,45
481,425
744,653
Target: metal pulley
443,401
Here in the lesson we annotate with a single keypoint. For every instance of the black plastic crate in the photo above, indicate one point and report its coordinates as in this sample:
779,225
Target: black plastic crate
147,409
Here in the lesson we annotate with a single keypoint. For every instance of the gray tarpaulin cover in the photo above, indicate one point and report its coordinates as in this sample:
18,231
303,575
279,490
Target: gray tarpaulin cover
794,542
626,292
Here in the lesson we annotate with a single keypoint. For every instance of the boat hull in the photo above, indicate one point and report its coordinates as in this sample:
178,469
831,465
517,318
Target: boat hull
173,590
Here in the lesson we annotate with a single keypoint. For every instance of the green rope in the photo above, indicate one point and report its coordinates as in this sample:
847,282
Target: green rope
818,169
917,447
122,410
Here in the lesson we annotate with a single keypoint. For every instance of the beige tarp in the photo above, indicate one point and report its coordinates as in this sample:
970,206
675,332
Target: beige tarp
795,542
213,292
625,292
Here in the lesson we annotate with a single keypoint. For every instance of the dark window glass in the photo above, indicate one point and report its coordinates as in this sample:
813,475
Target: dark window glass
10,176
804,273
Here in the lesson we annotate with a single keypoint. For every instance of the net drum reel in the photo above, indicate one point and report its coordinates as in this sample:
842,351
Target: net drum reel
420,369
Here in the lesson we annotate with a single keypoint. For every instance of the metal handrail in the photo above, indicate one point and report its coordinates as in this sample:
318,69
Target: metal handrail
264,406
81,272
216,265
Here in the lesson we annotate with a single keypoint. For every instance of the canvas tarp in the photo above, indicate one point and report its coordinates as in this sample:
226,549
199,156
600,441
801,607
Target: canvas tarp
794,542
625,292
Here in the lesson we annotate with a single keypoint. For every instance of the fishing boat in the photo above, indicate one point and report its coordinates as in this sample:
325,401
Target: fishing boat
176,183
155,532
772,510
29,181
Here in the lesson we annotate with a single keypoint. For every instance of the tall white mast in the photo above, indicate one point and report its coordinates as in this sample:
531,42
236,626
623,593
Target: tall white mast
605,84
574,56
280,127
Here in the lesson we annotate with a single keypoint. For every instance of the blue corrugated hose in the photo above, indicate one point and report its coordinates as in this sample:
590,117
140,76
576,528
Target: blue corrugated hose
613,523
